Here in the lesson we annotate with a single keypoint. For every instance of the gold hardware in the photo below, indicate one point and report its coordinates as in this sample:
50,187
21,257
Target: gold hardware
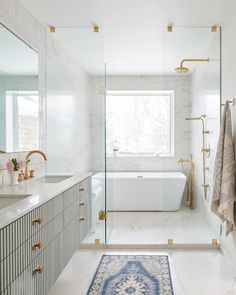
207,150
82,189
97,241
140,176
169,28
38,245
38,269
82,219
20,177
26,175
82,204
206,168
205,185
170,242
206,131
214,29
37,221
31,173
101,90
102,215
182,69
231,101
95,29
214,242
190,183
52,29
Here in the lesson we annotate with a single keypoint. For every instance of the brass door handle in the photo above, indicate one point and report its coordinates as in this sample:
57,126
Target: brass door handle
37,221
37,269
82,204
38,245
82,189
82,219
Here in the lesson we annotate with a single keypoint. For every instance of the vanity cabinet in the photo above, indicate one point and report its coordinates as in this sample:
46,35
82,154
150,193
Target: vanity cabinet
35,248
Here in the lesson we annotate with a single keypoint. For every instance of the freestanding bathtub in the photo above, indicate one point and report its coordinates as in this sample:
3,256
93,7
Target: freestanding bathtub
145,191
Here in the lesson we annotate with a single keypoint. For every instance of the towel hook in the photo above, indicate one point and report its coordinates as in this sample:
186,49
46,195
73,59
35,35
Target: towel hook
231,101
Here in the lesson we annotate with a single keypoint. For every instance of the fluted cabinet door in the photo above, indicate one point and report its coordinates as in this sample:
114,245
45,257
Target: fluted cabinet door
35,248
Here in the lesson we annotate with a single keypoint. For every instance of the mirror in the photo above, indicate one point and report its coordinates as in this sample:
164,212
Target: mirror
19,95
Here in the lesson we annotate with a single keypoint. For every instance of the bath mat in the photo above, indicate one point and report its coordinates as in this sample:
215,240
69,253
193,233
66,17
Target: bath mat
132,274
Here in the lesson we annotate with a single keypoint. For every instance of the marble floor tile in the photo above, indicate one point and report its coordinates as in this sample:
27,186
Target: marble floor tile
184,226
194,272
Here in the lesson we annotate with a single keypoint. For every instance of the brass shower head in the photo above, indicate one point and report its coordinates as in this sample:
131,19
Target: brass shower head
183,70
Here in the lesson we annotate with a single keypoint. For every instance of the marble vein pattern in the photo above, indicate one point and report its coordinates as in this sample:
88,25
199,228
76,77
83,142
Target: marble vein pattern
184,227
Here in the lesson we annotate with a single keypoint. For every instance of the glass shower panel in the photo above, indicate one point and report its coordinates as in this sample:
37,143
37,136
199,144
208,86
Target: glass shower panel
76,116
192,70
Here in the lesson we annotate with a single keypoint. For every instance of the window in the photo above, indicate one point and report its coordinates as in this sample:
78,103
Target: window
22,120
140,123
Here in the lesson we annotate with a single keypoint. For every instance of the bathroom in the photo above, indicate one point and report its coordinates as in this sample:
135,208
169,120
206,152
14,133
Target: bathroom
114,126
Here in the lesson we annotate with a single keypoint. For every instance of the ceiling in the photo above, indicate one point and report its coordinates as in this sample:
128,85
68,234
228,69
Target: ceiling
135,36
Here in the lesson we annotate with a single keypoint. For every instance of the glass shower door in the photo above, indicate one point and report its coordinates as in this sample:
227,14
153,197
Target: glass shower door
76,103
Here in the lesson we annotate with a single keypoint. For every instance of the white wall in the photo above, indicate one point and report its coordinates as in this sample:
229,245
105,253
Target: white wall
182,88
206,100
68,120
229,91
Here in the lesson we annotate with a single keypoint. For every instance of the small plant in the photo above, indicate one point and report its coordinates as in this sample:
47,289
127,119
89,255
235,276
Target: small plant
14,165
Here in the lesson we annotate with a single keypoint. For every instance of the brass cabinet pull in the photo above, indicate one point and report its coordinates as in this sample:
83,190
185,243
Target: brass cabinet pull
82,204
37,221
81,189
81,219
38,245
37,269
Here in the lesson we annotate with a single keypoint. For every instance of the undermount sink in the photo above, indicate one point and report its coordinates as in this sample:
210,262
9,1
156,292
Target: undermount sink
8,199
53,178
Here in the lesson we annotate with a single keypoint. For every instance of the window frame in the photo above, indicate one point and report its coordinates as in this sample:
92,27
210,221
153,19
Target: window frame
171,95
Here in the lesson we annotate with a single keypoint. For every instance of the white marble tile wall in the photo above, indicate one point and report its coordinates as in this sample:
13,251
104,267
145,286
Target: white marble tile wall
68,120
206,100
20,21
182,87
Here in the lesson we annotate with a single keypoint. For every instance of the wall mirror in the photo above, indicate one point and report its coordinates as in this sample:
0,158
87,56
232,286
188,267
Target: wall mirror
19,95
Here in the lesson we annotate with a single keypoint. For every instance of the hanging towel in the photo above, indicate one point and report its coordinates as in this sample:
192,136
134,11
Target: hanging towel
223,199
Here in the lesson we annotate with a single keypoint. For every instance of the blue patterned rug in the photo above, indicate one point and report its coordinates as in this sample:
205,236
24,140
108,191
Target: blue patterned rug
132,274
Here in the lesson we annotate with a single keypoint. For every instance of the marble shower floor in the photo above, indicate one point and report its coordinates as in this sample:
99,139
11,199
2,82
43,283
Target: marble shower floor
184,227
198,272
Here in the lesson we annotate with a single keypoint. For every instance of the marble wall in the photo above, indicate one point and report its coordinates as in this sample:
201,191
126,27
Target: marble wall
68,120
182,88
206,100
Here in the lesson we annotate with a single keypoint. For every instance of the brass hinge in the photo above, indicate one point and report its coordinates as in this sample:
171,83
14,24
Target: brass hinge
102,215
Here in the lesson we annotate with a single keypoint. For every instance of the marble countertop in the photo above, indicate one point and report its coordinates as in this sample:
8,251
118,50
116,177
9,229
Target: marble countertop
39,194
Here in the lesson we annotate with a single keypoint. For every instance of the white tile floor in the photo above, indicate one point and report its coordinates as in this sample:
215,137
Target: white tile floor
200,272
185,227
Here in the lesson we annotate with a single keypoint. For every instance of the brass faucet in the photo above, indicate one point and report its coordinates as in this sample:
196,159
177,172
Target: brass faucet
27,157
